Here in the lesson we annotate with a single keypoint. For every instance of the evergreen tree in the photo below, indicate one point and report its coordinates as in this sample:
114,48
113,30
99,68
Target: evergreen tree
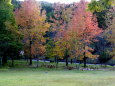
9,35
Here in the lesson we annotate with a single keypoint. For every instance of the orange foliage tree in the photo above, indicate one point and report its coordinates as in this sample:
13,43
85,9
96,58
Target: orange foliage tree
84,28
31,22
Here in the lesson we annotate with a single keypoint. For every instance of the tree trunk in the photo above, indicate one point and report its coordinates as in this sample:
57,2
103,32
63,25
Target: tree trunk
4,60
67,61
30,53
56,61
71,61
12,62
30,61
84,59
77,66
37,61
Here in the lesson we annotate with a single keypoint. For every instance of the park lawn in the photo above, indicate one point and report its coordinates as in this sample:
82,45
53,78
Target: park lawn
53,77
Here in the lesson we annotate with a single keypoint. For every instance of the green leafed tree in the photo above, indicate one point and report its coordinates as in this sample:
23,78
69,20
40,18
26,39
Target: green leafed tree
9,35
100,8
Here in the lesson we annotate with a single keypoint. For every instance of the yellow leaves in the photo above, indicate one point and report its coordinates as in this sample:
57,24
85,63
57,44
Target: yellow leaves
81,57
90,55
59,49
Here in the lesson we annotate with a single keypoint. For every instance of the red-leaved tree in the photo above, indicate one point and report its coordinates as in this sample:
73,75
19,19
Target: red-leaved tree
85,28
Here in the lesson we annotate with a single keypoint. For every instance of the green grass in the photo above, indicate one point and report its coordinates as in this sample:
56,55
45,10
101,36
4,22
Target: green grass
53,77
24,64
23,75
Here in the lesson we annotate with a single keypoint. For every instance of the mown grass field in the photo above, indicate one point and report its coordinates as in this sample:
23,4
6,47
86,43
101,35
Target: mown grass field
45,77
31,76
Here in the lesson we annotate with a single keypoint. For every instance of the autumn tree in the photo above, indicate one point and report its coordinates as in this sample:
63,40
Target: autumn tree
31,22
85,25
60,22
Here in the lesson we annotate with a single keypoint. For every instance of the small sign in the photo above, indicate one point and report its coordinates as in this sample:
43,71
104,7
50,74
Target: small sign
22,53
